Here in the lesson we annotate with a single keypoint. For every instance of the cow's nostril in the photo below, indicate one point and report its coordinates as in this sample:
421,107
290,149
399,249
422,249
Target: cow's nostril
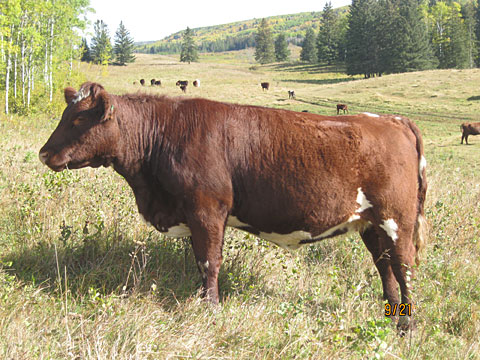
43,156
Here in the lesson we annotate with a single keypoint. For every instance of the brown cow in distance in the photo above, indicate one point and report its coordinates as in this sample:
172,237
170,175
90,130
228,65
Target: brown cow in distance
196,166
343,107
181,82
142,82
265,86
469,129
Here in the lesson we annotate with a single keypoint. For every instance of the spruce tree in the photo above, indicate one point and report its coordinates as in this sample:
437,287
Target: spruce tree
101,46
327,40
86,56
282,52
309,51
362,39
189,51
264,47
124,46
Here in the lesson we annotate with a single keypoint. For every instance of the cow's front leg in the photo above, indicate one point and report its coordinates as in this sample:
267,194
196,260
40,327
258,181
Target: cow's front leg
207,241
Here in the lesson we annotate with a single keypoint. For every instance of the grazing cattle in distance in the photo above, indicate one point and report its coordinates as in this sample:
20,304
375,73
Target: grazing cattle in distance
196,83
152,82
158,83
196,166
469,129
265,86
135,83
343,107
183,88
305,111
182,82
291,94
142,82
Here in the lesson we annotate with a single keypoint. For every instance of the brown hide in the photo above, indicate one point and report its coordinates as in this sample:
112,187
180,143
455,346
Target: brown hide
197,165
469,129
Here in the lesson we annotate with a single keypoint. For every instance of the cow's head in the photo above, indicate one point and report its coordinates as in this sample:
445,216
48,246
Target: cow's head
87,134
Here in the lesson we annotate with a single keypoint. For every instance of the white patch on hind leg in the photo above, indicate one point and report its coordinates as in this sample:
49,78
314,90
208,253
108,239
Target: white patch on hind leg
391,228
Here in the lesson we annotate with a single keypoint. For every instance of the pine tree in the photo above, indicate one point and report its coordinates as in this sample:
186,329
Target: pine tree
124,46
101,46
327,40
282,52
264,47
309,52
189,51
86,55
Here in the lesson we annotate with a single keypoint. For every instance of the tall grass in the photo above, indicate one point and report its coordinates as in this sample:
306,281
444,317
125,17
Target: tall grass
82,277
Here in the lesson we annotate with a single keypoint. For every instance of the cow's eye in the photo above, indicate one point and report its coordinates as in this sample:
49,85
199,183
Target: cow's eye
78,121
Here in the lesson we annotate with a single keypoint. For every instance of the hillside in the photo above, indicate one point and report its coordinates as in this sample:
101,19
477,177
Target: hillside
239,35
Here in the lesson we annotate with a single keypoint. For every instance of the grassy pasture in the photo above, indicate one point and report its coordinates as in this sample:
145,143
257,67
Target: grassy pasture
82,277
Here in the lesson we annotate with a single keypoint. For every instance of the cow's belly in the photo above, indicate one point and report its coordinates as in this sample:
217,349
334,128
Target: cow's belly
298,238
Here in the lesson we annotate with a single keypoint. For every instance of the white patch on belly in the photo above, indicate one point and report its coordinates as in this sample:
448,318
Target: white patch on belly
362,201
177,231
371,115
421,166
391,228
234,222
287,241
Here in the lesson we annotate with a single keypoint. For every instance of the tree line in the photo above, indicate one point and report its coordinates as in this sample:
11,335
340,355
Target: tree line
392,36
37,41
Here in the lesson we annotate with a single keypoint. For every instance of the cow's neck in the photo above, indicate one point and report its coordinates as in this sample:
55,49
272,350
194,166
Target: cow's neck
141,127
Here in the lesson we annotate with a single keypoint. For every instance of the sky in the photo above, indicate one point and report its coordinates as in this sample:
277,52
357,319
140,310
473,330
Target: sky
154,20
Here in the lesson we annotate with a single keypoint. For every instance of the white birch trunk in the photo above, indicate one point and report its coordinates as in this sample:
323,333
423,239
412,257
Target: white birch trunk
51,61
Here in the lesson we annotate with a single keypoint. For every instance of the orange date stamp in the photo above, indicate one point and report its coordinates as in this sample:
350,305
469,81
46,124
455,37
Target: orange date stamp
398,309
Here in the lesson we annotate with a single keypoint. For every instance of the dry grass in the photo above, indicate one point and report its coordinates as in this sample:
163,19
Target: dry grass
123,291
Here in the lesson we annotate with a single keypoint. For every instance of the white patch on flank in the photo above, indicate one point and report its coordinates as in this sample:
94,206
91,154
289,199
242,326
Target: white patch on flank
80,95
421,166
362,201
353,218
203,268
371,115
177,231
234,222
391,228
397,118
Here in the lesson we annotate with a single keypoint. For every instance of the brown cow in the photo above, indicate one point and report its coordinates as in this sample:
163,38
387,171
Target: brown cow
469,129
142,81
158,83
343,107
182,82
196,83
152,82
265,86
197,166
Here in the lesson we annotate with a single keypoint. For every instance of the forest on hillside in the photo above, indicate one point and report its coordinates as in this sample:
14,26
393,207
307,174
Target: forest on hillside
371,36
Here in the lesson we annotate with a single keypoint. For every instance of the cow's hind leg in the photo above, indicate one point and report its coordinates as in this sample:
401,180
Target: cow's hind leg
381,258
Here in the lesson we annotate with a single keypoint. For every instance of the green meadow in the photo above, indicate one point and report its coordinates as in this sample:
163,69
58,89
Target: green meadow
82,277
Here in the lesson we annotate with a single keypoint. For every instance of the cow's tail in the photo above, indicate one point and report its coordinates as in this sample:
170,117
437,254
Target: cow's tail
421,227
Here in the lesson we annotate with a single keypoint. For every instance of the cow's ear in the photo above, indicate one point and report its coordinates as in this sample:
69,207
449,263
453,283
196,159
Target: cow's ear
105,106
69,94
